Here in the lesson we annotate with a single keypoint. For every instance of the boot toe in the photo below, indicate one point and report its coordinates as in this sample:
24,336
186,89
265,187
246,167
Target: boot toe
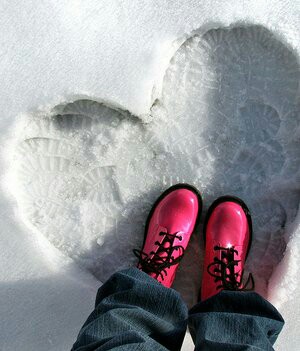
179,211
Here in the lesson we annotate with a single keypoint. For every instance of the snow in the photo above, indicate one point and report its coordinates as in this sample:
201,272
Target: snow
107,104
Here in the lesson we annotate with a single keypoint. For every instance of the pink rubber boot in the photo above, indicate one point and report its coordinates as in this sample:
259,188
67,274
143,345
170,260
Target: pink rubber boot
227,235
169,227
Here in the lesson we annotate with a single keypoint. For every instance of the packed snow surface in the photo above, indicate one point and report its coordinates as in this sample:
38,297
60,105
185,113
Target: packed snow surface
84,171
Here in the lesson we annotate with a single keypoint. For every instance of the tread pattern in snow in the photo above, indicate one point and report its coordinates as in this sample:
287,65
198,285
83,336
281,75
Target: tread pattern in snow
227,122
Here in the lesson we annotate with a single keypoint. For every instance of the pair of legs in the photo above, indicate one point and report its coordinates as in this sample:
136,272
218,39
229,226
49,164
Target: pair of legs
136,309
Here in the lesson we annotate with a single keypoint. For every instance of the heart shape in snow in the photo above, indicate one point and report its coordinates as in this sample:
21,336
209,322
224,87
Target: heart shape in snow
227,122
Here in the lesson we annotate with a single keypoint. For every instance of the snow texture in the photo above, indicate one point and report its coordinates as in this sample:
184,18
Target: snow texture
221,111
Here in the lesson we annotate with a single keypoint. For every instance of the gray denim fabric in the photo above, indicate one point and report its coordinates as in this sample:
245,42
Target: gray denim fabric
234,320
134,312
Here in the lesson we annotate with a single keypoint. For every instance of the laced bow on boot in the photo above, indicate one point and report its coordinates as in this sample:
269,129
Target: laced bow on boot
158,262
223,270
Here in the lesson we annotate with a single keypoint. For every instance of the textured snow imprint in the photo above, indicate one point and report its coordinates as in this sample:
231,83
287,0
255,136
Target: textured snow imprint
227,122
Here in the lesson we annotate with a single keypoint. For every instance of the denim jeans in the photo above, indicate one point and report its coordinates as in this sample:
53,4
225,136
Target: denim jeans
135,312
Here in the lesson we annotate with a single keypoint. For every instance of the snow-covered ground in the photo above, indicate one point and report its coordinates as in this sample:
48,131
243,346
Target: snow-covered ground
104,105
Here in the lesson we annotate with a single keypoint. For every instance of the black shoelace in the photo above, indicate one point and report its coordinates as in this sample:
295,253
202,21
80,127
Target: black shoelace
158,262
223,270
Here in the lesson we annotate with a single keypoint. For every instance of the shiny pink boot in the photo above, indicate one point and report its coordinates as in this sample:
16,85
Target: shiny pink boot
169,227
227,235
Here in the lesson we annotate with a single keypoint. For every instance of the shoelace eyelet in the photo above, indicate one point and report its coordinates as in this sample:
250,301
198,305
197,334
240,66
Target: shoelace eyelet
225,271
